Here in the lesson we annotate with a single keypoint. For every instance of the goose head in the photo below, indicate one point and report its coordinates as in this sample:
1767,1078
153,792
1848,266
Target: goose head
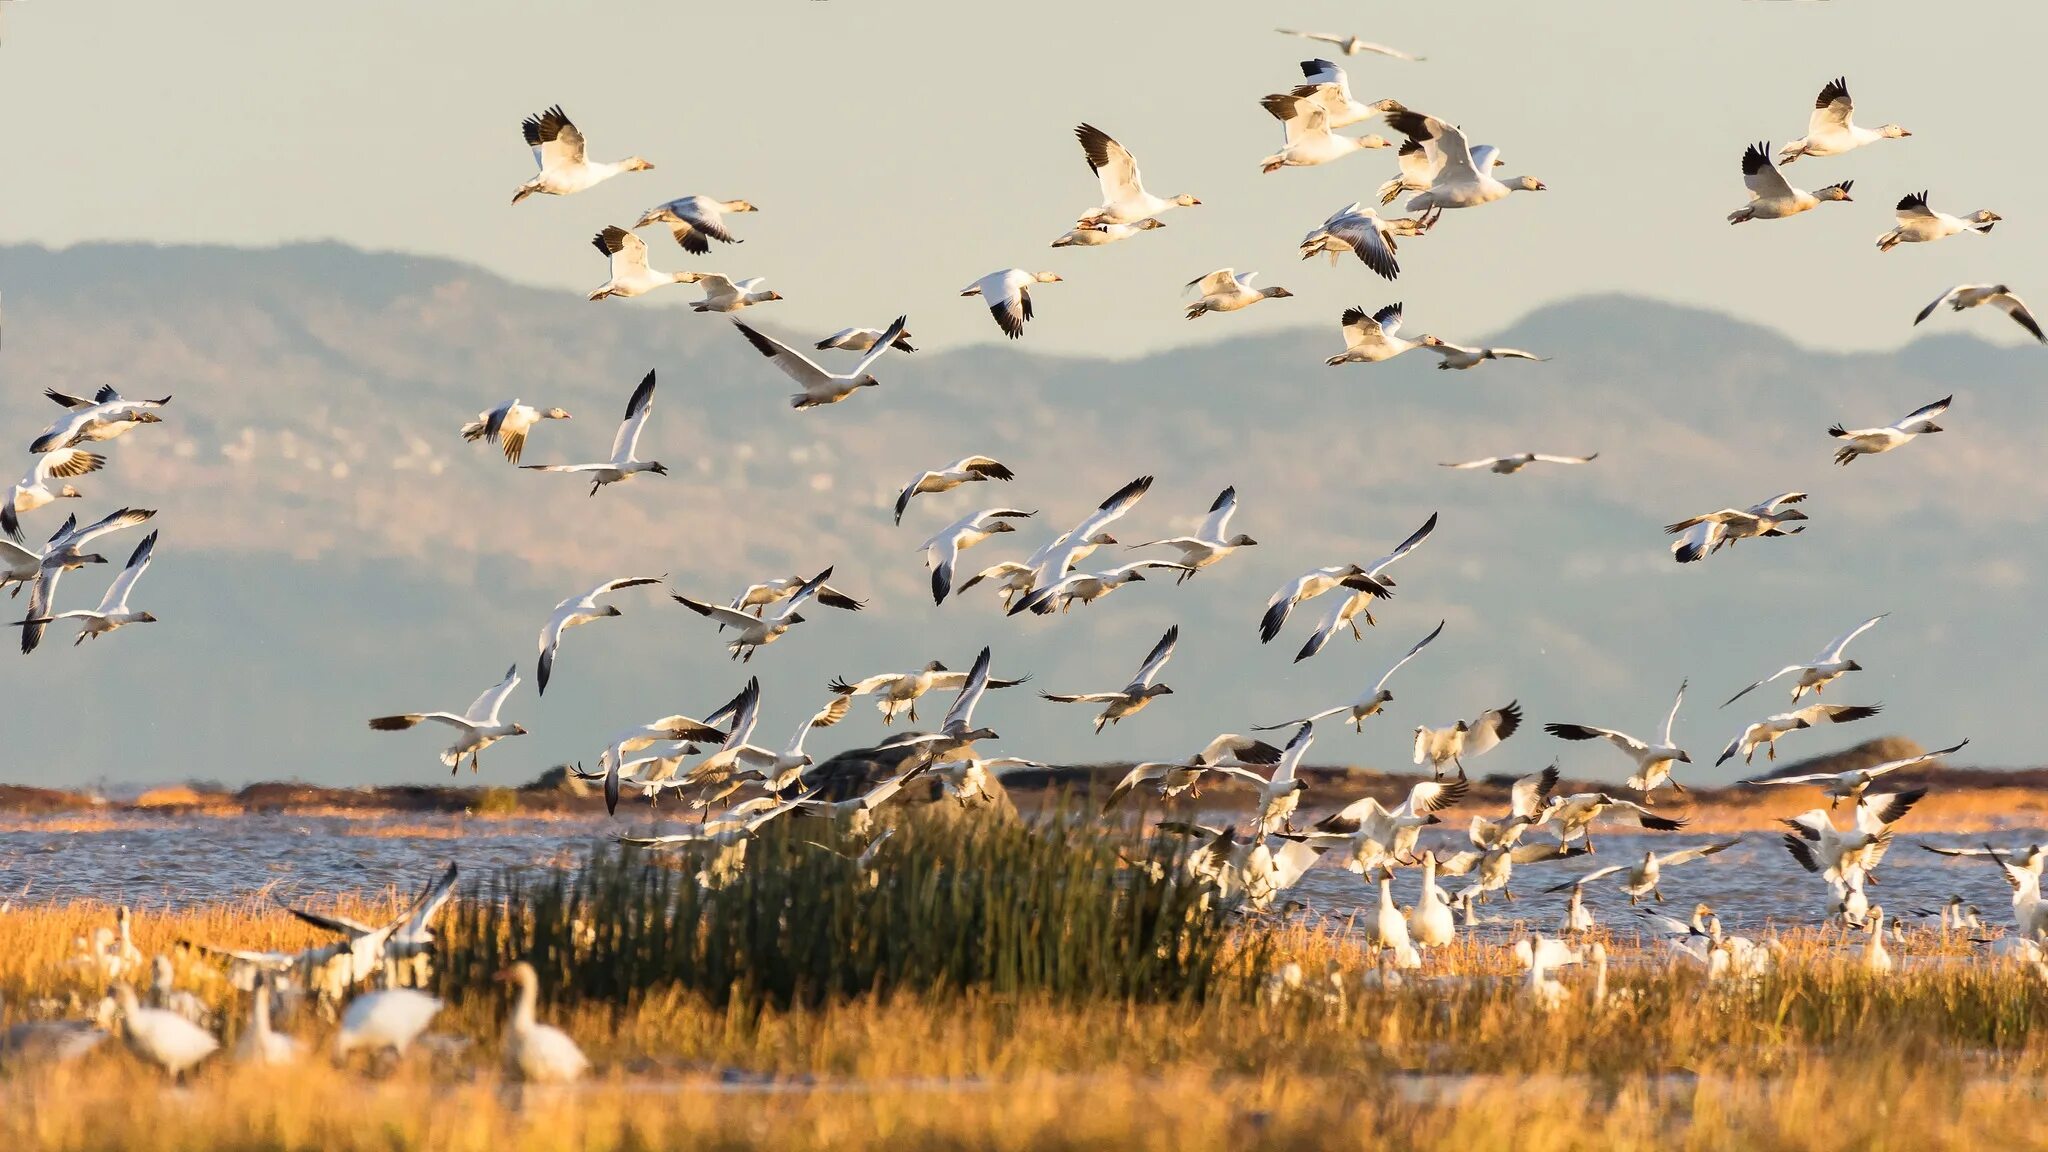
555,414
1933,428
519,730
1045,278
146,618
1835,192
1274,293
1149,223
1156,690
739,206
67,492
657,467
1852,666
147,418
1128,577
1185,200
935,666
1892,132
1525,184
1243,541
636,164
1002,526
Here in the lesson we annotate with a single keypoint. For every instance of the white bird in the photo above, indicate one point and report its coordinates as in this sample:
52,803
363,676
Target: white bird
899,692
1573,816
1134,696
784,769
1848,857
1361,580
1702,536
758,597
862,339
162,1037
1465,178
957,735
1828,130
1875,959
1309,136
1509,465
1440,746
695,221
1851,785
1225,291
1919,224
1766,732
107,415
1640,880
625,460
63,552
540,1053
1871,441
1431,923
1097,234
1420,161
819,386
34,489
507,425
1653,761
1007,291
1494,865
1361,231
1326,84
1054,562
579,609
384,1021
1346,612
259,1043
1213,541
942,549
1371,338
1997,295
966,470
1372,833
1186,775
558,153
113,611
2031,857
1280,792
1540,954
477,729
630,273
1372,702
1458,357
2029,911
1824,669
1351,45
756,632
1771,198
724,294
1124,199
1386,928
1088,587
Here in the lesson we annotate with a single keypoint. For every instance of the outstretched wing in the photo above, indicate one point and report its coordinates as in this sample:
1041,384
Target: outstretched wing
1419,646
1161,653
627,442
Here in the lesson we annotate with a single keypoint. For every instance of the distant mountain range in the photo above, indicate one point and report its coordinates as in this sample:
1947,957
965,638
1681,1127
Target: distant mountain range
333,550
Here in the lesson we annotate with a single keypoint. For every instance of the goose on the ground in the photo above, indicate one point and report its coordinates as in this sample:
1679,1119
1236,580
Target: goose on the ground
630,273
1134,696
1387,929
1873,956
756,632
507,426
1824,669
1771,198
1702,536
1643,879
966,470
1372,834
1351,45
1099,233
113,611
1509,465
1309,138
1372,702
558,153
1852,784
1326,84
1766,732
540,1053
1225,291
942,549
1871,441
1829,131
107,415
722,293
477,729
578,609
162,1037
259,1042
1653,761
1124,199
1213,541
819,386
1465,179
388,1020
1372,337
625,462
897,693
1186,775
1430,923
1920,224
1007,292
695,221
34,489
1437,747
1459,357
63,552
1997,295
862,339
1361,231
1280,792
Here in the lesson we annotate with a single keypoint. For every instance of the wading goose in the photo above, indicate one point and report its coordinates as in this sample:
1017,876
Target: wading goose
897,693
724,294
1171,780
1997,295
1873,957
1351,45
1653,761
1871,441
1371,834
1088,587
1640,880
1509,465
384,1021
1577,919
1851,785
34,490
1097,234
1326,84
1053,562
1360,231
1819,672
477,729
1309,140
1459,357
630,275
558,152
1225,291
1213,542
1702,536
756,632
1919,224
1430,923
1280,793
1134,696
579,609
63,552
1124,199
1007,291
1771,198
1437,747
162,1037
1465,179
966,470
507,426
1766,732
695,221
862,339
259,1043
539,1053
1369,704
1387,928
2029,911
1371,338
113,612
625,462
1828,130
107,415
942,549
819,386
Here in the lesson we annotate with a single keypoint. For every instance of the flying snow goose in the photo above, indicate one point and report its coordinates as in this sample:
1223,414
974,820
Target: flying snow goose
1124,199
1186,775
781,770
1309,140
942,549
107,415
1573,816
1213,541
1007,291
1457,356
162,1037
1701,536
721,764
1828,130
1766,732
507,425
819,386
1440,746
625,462
966,470
1369,704
1056,560
630,275
695,221
388,1020
756,632
898,692
1493,867
1465,179
1420,161
1346,612
862,339
1372,834
1280,792
578,609
1871,441
1509,465
1351,45
957,734
1653,761
2030,857
1851,785
1770,197
113,611
1134,696
1326,84
1088,587
34,489
2029,910
1371,338
724,294
1823,670
1643,879
1225,291
539,1053
1364,583
757,597
1099,233
1360,231
63,552
476,729
1997,295
558,152
1919,224
1849,856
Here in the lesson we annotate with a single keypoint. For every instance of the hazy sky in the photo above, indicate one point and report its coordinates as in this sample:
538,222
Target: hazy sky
900,149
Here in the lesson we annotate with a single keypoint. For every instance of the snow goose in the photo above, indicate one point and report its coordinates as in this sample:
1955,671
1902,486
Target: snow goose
1372,702
1007,292
898,692
384,1021
1351,45
1766,732
1852,856
862,339
507,426
1771,198
1459,357
1358,603
1465,176
630,274
1828,130
1653,761
1213,542
2029,911
1134,696
1851,785
966,470
539,1053
1574,815
1124,199
1371,337
477,729
1312,584
1099,233
20,567
1437,747
757,597
1493,867
942,549
819,386
34,489
1088,587
1053,562
1309,140
625,462
162,1037
1539,954
957,734
1873,957
63,552
1279,793
966,782
1171,780
756,632
724,294
107,415
1420,161
1919,224
1871,441
1997,295
719,767
558,153
1360,231
1701,536
579,609
259,1043
781,770
695,221
2031,857
1371,833
1326,84
1430,923
677,732
1509,465
1578,919
1824,669
1225,291
1640,880
113,611
1387,928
